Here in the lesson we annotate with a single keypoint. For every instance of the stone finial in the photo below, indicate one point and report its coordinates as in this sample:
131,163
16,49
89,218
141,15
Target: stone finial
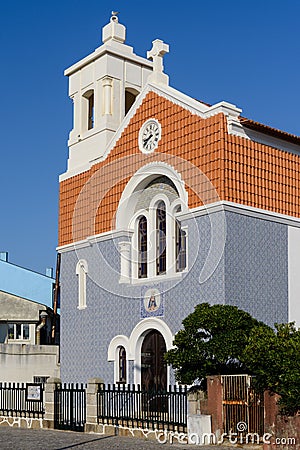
114,16
114,31
159,49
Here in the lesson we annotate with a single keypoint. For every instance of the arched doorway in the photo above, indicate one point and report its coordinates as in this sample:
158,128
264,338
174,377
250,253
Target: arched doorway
153,366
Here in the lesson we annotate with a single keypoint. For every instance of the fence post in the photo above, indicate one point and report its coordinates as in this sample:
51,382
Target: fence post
198,422
49,402
91,405
214,404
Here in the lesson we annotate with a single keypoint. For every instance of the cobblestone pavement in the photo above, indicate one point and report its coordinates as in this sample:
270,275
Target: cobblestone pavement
28,439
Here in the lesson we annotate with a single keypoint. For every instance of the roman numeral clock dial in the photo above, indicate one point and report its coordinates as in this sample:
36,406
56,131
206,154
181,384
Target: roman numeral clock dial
149,136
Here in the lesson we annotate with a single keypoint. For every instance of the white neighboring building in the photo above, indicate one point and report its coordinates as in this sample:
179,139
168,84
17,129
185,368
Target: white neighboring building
25,334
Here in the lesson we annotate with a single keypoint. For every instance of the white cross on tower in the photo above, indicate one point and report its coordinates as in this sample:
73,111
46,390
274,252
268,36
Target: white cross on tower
159,49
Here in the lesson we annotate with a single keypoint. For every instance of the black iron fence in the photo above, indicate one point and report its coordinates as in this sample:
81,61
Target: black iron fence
131,406
70,406
22,400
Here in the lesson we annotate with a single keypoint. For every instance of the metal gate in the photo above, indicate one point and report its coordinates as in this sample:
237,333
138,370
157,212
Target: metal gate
70,406
243,407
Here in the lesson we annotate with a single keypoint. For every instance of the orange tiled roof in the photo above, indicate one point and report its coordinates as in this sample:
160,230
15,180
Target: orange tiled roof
257,126
239,170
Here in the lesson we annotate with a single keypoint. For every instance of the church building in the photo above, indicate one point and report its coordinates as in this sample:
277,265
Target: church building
166,203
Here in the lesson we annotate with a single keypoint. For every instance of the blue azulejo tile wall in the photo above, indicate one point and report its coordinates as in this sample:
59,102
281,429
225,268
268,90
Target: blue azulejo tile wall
232,259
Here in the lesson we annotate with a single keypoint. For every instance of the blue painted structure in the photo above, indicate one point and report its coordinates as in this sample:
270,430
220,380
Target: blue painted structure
26,283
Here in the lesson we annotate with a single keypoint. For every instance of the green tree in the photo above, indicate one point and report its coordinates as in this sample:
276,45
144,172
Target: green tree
211,342
274,357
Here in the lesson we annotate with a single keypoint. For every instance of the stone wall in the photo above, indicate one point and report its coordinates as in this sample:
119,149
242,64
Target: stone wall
284,430
20,363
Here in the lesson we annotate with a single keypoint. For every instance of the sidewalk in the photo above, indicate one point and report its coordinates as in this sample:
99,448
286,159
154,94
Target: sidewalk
27,439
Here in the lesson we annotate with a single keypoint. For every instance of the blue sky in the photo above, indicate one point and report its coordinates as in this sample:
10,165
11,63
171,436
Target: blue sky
243,52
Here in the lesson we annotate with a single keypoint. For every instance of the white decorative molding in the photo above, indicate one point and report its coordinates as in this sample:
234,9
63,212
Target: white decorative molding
201,211
125,255
107,235
118,341
226,108
81,272
138,181
136,341
235,127
113,353
133,344
114,234
241,209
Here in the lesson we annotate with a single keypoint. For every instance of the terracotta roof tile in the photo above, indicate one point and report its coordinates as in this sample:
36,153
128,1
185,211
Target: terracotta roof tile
239,170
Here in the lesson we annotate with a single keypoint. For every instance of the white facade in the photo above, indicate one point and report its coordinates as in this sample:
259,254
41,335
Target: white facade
294,275
102,87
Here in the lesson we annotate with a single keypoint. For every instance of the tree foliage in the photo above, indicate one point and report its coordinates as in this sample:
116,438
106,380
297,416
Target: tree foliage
274,357
211,342
222,340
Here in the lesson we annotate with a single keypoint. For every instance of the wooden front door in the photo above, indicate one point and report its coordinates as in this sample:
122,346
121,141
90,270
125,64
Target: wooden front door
154,368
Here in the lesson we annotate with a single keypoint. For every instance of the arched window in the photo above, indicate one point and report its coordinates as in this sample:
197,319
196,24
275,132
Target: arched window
122,365
180,250
91,111
89,104
142,247
161,229
81,271
130,96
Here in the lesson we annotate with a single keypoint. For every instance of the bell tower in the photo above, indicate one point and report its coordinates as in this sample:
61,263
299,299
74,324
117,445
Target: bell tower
103,86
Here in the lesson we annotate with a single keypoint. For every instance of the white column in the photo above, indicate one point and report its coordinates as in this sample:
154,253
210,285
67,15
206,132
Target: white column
152,243
294,274
170,243
107,90
75,132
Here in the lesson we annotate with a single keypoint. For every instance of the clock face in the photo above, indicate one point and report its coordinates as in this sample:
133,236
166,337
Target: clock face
150,134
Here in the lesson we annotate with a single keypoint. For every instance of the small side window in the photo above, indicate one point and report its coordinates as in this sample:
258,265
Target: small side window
180,248
122,365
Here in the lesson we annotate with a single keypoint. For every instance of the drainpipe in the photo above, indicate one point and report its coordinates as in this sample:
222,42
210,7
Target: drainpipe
55,298
43,317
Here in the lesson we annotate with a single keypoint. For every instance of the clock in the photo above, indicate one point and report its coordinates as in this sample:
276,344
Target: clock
149,136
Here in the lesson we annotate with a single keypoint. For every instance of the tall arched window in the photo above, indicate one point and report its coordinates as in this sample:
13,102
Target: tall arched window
122,365
180,250
161,227
88,110
81,271
91,112
142,247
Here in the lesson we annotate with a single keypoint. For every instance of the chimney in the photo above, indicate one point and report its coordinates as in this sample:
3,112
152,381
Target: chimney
49,272
4,256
